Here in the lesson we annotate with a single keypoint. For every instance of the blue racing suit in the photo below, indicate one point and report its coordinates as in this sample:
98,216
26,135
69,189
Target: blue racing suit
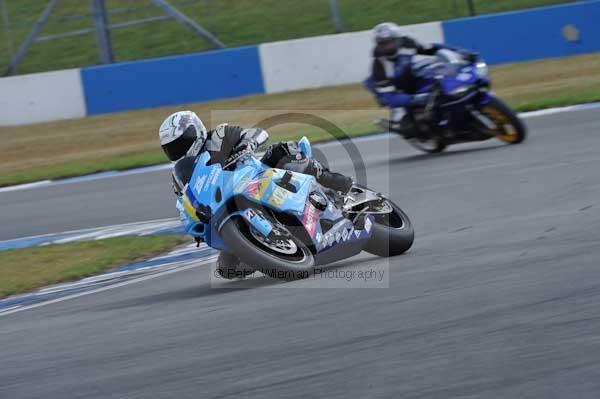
392,80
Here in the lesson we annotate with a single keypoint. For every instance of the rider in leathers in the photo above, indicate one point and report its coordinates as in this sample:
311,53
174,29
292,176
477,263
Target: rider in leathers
392,80
183,134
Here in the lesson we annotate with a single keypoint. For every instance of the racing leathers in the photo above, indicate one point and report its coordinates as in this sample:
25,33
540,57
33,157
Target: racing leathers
226,142
393,81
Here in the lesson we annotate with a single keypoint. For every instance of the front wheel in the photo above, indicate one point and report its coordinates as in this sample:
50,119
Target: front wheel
279,256
509,128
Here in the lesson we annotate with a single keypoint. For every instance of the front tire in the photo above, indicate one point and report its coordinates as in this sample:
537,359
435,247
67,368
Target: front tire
285,265
392,234
510,128
229,267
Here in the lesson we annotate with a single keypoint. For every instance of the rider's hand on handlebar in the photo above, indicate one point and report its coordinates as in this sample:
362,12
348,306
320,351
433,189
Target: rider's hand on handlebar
243,148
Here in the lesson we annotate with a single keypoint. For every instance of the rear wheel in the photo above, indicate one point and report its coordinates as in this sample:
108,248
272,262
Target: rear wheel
509,128
392,234
280,255
432,145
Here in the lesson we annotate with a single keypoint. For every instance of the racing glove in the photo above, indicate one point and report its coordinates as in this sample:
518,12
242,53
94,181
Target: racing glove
469,56
245,146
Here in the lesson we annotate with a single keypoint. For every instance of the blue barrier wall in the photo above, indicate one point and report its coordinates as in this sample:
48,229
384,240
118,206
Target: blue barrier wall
529,35
172,80
500,38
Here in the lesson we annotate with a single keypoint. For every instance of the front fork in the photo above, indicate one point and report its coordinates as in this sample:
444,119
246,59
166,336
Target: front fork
479,117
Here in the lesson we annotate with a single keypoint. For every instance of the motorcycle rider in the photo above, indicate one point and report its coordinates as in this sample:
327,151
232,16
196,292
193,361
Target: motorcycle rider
183,134
392,80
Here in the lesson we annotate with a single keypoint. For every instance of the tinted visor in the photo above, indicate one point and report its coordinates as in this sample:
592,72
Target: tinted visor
387,47
180,146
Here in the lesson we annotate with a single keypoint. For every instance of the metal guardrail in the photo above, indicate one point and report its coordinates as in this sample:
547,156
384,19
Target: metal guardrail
102,29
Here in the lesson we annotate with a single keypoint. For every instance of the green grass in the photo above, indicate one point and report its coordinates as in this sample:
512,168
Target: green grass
85,167
583,97
234,22
23,270
127,140
153,157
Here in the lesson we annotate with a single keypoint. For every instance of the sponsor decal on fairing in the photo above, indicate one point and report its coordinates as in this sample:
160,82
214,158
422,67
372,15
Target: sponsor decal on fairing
311,215
278,197
199,183
214,175
368,225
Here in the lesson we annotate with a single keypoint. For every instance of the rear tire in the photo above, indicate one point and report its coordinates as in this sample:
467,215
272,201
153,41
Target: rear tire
391,235
435,145
237,237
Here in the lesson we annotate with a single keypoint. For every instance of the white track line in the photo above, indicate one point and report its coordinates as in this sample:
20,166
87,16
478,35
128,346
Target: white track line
154,168
147,224
26,186
196,263
551,111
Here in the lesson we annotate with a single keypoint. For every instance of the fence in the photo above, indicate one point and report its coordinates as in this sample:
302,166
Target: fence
142,29
281,66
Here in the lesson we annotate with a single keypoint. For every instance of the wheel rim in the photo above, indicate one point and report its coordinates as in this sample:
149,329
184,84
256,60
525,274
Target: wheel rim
385,214
506,131
392,219
278,243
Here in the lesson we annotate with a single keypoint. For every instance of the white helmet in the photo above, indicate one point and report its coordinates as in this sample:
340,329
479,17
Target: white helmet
386,31
387,38
179,132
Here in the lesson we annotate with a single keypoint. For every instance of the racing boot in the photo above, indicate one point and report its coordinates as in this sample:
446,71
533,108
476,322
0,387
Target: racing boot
337,186
403,127
335,181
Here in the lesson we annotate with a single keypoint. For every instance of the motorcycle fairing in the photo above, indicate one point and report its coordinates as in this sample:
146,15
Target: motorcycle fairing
211,187
265,190
341,241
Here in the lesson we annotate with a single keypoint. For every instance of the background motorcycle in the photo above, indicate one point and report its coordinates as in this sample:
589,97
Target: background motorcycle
280,222
461,107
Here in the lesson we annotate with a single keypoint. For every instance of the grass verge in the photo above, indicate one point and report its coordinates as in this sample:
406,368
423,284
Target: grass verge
23,270
127,140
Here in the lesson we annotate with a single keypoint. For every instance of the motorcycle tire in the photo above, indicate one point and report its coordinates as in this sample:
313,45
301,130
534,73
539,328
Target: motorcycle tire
434,145
392,234
229,267
511,129
240,241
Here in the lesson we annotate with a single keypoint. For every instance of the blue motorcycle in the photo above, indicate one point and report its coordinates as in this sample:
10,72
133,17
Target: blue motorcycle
283,223
461,107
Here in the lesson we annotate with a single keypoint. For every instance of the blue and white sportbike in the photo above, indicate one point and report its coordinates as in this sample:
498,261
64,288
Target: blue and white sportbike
280,222
461,108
